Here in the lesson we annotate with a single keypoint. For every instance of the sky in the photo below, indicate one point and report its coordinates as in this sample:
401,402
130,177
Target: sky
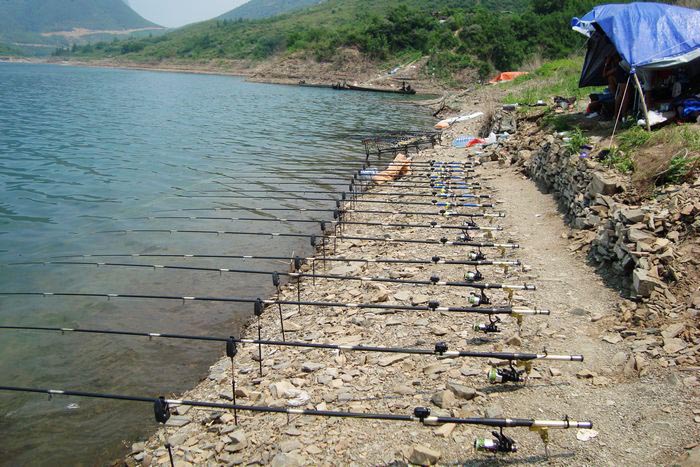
174,13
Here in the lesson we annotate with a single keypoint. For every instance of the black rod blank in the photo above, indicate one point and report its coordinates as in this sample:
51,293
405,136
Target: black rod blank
433,281
431,225
442,212
431,306
440,348
421,414
433,260
441,241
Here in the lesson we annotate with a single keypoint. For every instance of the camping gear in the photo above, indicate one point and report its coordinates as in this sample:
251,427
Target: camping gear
646,36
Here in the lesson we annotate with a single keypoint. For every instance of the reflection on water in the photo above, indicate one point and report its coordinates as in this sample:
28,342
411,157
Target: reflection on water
88,150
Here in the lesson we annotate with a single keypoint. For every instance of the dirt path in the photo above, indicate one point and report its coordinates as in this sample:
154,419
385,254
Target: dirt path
638,421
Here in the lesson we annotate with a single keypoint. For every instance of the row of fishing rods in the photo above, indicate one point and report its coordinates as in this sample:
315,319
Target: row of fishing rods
442,180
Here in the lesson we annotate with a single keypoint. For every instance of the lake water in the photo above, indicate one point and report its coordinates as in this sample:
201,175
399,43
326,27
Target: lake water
87,150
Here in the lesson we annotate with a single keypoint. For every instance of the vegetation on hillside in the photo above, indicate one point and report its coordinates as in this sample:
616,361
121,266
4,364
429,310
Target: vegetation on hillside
486,35
258,9
24,21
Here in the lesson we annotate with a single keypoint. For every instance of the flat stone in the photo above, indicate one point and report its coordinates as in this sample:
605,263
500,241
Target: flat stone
177,421
444,399
674,345
177,439
310,367
286,459
283,390
613,339
423,455
632,216
445,430
391,359
493,411
673,330
461,391
420,299
600,184
290,445
402,296
138,447
643,283
238,442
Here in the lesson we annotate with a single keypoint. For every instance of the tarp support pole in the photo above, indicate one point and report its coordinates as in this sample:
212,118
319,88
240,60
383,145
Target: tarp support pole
642,100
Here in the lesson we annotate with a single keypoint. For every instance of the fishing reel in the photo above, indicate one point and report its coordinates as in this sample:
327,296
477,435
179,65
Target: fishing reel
478,299
161,410
231,347
491,327
258,307
506,375
476,255
499,444
473,276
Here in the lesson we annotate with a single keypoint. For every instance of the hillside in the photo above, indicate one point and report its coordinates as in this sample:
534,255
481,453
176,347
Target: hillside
50,23
458,38
259,9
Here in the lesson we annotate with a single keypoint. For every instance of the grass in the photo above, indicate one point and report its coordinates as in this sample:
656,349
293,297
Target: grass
669,155
555,78
577,140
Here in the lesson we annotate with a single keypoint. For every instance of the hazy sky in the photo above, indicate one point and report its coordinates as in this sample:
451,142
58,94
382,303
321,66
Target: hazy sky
173,13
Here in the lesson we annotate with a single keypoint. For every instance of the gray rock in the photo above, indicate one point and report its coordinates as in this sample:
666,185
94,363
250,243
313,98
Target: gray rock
643,283
493,411
600,184
286,459
290,445
461,391
423,455
444,399
310,367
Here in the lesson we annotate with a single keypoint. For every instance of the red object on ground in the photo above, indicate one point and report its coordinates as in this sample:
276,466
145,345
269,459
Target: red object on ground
507,76
474,142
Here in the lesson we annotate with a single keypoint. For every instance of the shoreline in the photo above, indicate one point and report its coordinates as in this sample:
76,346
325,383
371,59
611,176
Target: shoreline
242,69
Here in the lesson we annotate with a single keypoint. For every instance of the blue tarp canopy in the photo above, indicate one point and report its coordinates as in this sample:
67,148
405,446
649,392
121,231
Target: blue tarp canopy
645,35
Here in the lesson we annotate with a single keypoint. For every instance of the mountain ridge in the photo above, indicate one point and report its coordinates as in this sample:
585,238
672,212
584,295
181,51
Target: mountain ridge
259,9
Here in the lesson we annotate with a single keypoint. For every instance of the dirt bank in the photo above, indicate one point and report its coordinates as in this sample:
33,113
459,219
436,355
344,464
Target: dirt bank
349,66
644,417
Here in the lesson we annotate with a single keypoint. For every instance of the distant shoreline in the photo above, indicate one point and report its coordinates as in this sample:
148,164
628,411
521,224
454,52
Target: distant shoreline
243,69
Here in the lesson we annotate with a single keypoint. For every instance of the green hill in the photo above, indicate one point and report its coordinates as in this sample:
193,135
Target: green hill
456,35
37,24
259,9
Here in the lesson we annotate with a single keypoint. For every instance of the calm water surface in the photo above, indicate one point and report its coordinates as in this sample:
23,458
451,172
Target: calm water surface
88,150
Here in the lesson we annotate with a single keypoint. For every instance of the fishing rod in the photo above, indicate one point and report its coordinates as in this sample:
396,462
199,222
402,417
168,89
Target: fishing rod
500,444
260,303
471,280
393,184
298,261
467,225
342,211
440,349
434,194
446,204
313,238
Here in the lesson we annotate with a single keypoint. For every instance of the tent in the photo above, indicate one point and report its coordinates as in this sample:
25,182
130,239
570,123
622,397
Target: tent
647,36
507,76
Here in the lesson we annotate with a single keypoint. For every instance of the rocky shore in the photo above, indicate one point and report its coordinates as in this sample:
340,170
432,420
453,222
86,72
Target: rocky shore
638,384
